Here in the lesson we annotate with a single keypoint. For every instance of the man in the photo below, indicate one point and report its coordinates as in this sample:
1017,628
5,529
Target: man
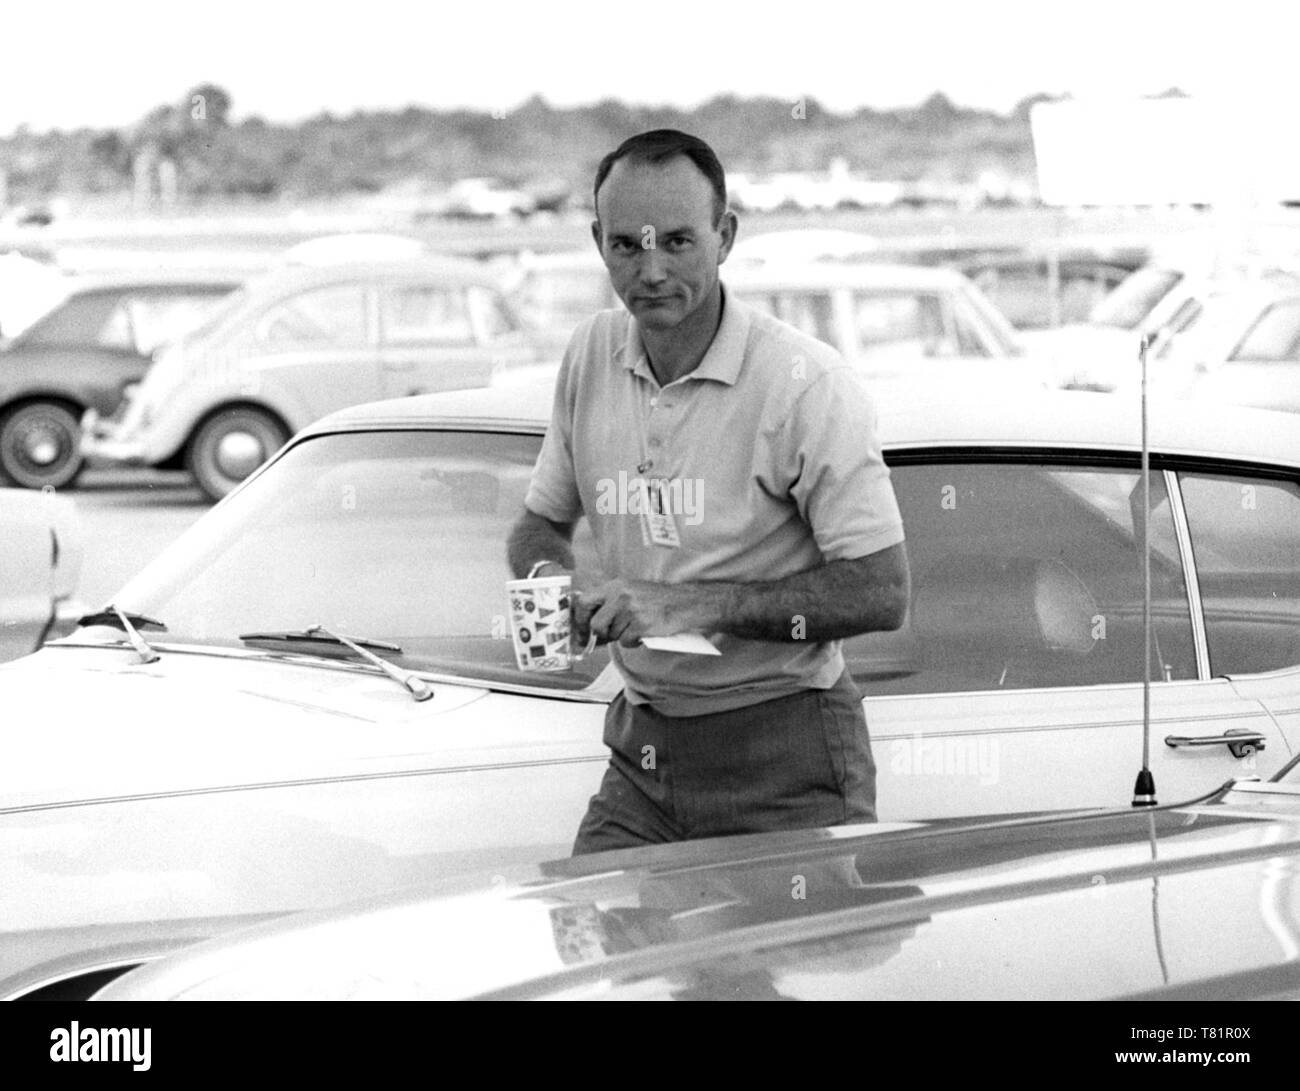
729,469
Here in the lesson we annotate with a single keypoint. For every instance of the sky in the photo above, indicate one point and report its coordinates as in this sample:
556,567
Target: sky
69,64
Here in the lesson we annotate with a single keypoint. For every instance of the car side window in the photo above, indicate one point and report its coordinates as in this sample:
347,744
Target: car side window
812,313
319,318
159,318
417,314
76,321
898,320
1246,539
490,314
1028,576
965,332
1274,336
116,331
1021,293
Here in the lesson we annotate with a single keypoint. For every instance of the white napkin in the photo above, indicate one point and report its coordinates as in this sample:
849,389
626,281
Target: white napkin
687,643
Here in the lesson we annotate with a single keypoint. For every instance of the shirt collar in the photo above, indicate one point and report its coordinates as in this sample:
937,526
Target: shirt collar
722,360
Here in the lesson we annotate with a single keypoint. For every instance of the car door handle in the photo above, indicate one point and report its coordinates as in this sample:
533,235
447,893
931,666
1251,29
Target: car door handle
1241,743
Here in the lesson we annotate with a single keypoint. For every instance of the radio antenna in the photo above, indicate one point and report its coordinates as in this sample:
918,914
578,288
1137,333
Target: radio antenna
1144,791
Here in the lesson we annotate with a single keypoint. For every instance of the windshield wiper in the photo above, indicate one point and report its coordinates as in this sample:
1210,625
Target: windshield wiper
119,619
416,686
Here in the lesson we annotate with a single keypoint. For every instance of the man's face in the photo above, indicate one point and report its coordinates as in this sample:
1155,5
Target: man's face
656,234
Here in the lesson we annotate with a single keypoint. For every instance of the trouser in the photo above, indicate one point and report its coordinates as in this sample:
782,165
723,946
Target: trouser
792,762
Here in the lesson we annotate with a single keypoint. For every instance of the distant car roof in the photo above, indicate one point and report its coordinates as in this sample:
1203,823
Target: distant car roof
353,246
81,284
1030,419
436,269
841,274
805,244
799,273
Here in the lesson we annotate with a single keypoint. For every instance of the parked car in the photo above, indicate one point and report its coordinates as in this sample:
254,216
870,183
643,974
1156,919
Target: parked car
40,564
1160,300
286,771
1191,902
895,322
303,341
1045,290
1241,347
85,353
559,290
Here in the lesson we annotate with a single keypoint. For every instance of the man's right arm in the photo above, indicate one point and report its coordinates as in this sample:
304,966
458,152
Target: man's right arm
535,538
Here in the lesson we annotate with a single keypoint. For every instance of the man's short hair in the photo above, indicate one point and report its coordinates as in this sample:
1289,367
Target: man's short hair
659,145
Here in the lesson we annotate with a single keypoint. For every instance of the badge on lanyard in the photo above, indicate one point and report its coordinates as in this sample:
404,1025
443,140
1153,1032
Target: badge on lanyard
657,523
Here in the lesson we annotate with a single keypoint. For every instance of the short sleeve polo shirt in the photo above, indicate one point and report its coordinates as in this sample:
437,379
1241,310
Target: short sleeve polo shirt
767,458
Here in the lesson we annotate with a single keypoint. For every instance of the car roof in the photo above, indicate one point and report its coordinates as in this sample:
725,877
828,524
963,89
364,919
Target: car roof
831,273
745,273
436,269
915,416
88,283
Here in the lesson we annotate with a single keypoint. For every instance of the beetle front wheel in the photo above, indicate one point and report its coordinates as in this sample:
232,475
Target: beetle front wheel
230,445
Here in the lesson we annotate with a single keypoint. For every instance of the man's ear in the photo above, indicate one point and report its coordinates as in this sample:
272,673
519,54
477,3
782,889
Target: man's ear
728,227
595,234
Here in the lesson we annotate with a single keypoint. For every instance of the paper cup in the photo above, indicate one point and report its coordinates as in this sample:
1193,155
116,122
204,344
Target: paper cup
541,623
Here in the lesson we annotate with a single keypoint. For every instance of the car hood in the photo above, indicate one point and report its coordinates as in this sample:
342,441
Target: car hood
1203,900
200,721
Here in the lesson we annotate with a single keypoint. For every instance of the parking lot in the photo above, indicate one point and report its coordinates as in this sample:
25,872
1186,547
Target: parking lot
128,517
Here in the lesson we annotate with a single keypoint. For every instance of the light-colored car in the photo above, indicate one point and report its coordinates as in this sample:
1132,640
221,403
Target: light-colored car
561,289
40,564
286,771
1037,289
1159,301
1241,346
302,341
895,322
1192,902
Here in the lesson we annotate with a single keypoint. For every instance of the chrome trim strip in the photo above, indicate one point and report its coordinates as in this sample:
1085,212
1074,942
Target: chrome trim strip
1184,535
302,782
600,690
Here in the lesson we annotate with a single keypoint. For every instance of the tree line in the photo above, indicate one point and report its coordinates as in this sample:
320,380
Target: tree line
191,151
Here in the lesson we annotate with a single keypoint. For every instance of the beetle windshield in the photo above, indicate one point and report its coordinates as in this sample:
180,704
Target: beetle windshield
397,535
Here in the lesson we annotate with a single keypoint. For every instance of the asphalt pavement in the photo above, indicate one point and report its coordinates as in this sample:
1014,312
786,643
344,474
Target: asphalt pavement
127,518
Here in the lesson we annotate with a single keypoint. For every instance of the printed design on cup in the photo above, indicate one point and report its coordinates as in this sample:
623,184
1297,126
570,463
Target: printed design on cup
541,623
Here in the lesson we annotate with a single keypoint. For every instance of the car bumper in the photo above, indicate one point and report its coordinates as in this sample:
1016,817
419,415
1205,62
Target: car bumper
107,442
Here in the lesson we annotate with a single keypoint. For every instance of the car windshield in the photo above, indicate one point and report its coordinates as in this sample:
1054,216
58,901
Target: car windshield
391,536
218,314
1134,299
